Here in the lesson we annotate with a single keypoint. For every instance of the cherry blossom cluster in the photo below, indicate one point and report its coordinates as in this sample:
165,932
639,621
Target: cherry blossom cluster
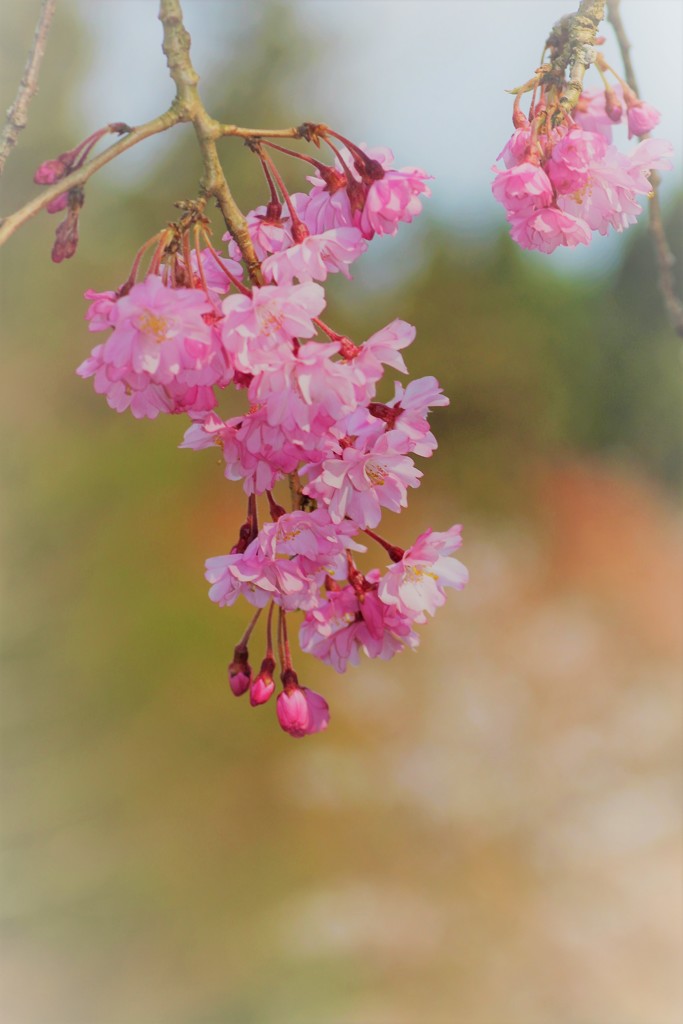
190,326
564,178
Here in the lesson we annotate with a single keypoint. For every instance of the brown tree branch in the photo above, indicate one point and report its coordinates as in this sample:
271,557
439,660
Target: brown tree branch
17,115
571,41
11,223
176,46
665,259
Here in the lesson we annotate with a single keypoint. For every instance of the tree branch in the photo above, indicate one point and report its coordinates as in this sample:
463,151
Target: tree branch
176,46
15,220
572,39
17,115
666,260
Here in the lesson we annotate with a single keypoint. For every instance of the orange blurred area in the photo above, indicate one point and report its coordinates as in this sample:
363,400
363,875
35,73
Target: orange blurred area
490,830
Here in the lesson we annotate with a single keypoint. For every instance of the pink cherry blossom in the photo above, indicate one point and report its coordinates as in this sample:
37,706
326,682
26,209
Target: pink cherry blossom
546,229
267,234
406,415
263,686
304,390
256,325
597,111
516,149
523,188
392,199
253,450
338,630
316,257
317,544
641,116
415,584
609,198
125,389
321,210
301,711
259,579
101,312
359,482
573,158
161,332
367,361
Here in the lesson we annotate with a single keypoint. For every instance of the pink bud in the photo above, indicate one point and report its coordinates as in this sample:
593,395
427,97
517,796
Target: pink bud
613,107
239,671
239,682
50,171
642,118
264,684
58,203
66,237
301,711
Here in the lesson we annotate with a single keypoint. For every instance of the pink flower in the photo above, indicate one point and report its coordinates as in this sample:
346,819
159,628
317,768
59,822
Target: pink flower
255,326
546,229
406,415
392,199
312,541
597,110
316,257
609,198
573,159
259,579
262,687
516,149
344,625
215,274
306,390
161,332
268,234
101,312
415,584
321,209
125,389
359,482
641,116
301,711
367,361
523,188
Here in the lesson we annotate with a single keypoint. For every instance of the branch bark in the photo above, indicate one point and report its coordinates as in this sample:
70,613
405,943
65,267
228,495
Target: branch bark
15,220
17,115
666,261
176,46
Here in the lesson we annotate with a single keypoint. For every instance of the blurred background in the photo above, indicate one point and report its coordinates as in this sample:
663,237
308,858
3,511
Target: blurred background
489,832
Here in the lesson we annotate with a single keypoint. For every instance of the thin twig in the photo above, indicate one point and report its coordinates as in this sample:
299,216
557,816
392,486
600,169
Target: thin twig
666,261
11,223
17,115
614,18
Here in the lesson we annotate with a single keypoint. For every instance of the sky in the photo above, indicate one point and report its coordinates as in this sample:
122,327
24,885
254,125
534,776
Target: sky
425,77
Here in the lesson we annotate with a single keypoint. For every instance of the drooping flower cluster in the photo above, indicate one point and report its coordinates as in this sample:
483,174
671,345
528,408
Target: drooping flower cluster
312,422
563,177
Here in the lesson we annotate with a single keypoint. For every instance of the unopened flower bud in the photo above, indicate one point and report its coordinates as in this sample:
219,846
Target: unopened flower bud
239,671
58,204
66,236
50,171
519,118
301,711
613,107
262,687
642,118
